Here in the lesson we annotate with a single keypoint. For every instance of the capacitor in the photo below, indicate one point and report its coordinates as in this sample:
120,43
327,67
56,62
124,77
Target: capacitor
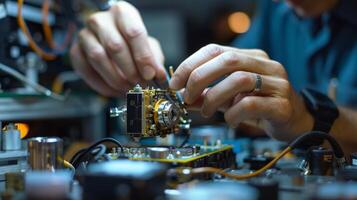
158,152
45,153
11,138
321,161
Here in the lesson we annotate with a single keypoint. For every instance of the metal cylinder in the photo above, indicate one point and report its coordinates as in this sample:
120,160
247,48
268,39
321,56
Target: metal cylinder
45,153
158,152
321,161
11,138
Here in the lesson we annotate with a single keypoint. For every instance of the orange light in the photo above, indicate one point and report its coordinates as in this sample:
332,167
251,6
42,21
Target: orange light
239,22
23,128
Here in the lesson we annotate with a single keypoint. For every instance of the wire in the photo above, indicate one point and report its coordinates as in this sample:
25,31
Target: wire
201,170
33,85
45,24
185,140
80,156
62,78
68,165
318,135
312,136
48,31
22,24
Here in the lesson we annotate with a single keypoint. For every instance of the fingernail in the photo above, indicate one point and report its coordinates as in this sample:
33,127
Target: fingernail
148,73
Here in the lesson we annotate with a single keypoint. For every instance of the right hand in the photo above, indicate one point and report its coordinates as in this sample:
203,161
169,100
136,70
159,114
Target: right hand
114,51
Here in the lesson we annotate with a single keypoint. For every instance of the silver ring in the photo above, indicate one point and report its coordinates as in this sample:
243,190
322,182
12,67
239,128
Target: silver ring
258,83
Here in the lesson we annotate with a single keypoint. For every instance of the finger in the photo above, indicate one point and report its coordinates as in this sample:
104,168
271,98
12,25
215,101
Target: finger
90,76
133,29
256,107
222,65
159,55
204,55
103,26
196,106
239,82
98,59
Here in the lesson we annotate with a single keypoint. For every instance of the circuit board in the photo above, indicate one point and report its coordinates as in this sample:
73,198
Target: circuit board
221,156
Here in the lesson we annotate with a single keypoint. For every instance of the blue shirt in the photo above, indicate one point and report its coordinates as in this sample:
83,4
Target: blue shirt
313,50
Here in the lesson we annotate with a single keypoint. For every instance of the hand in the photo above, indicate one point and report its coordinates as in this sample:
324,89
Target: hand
114,51
280,109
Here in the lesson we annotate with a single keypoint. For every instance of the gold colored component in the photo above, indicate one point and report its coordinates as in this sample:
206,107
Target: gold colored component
171,70
189,159
156,109
153,112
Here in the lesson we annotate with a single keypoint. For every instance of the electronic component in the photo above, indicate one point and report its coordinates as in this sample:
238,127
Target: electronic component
220,156
11,139
45,153
124,179
152,112
321,161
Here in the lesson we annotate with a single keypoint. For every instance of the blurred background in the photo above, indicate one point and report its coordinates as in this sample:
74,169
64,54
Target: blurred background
184,26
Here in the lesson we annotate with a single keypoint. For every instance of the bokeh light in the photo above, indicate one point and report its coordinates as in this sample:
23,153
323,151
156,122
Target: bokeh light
23,128
239,22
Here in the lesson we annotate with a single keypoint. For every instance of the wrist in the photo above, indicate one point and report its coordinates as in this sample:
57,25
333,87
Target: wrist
304,121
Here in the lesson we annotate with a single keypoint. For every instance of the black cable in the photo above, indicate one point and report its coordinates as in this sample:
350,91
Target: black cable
80,152
100,152
74,157
92,147
318,135
187,137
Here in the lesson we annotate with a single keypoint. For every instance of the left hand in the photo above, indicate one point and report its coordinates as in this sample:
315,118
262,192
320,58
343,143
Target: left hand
280,108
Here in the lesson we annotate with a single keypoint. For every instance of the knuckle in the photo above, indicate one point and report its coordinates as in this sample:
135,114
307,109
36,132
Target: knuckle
114,46
134,32
286,109
213,49
195,77
248,104
285,87
143,59
260,53
96,54
121,7
241,78
82,34
279,69
94,19
229,58
182,72
116,8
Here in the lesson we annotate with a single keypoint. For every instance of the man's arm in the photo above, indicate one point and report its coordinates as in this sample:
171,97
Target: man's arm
345,129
